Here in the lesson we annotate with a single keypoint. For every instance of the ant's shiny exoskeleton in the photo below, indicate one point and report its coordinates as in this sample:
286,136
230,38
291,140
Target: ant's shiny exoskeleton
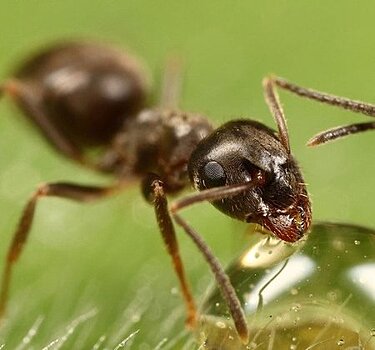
84,95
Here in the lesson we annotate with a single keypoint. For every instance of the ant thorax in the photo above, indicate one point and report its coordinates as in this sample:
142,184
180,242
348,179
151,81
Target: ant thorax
157,141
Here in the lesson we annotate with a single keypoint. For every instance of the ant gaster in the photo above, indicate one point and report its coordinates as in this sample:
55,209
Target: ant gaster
84,95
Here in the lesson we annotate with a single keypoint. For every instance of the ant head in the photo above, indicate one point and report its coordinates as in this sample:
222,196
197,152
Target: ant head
246,151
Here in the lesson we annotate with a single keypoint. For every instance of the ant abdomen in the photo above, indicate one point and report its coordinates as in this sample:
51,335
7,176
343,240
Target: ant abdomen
84,90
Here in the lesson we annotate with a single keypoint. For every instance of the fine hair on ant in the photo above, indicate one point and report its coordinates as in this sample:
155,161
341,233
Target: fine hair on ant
84,96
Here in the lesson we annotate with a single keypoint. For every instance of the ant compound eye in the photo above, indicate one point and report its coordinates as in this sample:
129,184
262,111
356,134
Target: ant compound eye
213,175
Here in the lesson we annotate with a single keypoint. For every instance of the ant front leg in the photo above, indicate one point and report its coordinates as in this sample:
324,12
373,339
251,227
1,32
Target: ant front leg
29,102
154,192
75,192
223,281
333,100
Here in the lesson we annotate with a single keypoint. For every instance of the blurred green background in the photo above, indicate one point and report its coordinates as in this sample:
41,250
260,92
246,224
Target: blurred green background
109,255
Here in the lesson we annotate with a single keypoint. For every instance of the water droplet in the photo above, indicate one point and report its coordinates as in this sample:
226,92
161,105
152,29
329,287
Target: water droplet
294,291
217,304
332,295
294,339
357,242
136,318
220,324
296,307
340,342
293,347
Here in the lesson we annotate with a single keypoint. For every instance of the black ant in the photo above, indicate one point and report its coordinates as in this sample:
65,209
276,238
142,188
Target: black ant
84,96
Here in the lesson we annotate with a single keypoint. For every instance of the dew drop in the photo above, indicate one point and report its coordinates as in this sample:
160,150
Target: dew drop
357,242
294,291
220,325
340,342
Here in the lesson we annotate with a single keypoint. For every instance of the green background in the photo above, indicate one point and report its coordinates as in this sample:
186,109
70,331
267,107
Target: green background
109,255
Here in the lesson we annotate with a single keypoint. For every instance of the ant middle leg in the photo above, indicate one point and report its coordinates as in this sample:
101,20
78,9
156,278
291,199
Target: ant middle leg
172,83
80,193
333,100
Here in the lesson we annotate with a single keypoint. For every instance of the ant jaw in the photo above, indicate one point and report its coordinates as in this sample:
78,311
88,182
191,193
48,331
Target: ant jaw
290,226
288,233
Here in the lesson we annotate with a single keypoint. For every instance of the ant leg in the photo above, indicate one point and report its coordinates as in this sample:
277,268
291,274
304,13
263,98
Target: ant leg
172,83
26,99
75,192
221,277
342,102
273,102
153,190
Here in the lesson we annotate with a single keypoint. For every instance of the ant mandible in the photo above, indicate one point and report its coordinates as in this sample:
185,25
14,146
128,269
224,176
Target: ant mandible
85,95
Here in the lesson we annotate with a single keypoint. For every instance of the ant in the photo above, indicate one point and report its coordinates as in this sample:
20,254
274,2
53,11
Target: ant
86,96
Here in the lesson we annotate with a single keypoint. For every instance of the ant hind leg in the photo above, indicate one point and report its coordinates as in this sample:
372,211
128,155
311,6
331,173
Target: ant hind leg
80,193
27,100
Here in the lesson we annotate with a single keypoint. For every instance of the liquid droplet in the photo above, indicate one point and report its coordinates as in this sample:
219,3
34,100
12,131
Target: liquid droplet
294,291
